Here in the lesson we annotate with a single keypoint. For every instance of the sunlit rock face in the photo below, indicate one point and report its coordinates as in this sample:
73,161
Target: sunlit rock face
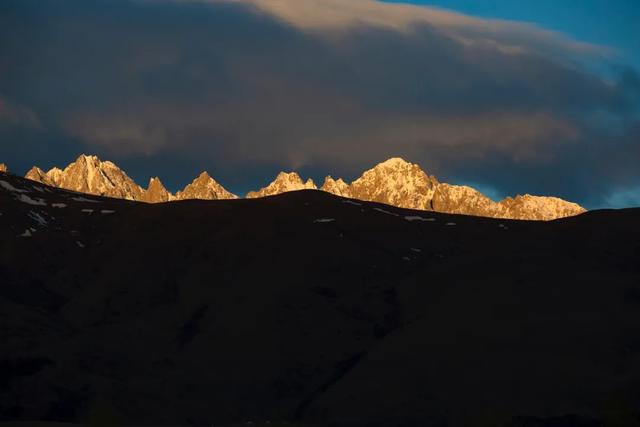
336,186
156,192
467,201
37,174
90,175
395,182
403,184
3,167
460,199
539,208
204,188
284,182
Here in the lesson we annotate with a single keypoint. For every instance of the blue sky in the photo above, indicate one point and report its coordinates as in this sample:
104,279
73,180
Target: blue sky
614,23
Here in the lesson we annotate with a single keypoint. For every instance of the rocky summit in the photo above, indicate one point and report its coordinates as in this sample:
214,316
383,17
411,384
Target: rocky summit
156,192
90,175
284,182
397,183
3,167
204,188
336,186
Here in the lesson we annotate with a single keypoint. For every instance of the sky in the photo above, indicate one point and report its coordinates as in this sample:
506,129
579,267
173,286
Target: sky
538,97
605,22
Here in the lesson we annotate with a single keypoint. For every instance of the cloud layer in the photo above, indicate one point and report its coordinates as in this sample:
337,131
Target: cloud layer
244,88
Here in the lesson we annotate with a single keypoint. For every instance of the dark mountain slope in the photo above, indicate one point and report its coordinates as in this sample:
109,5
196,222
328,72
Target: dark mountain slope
310,307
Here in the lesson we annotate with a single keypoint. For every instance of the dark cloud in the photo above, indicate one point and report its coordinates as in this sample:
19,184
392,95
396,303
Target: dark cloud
246,88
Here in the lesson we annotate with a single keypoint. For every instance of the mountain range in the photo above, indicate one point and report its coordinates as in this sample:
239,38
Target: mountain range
394,182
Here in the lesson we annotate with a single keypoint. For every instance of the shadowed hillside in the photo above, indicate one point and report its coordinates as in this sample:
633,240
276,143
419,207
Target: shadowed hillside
315,309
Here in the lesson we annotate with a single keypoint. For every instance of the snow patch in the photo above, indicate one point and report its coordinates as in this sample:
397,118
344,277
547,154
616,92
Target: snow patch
37,218
450,223
385,212
322,220
80,244
418,218
351,202
28,200
416,250
84,199
107,211
9,187
59,205
27,233
87,210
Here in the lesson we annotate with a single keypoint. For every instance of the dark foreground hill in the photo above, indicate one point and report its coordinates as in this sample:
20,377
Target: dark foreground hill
310,308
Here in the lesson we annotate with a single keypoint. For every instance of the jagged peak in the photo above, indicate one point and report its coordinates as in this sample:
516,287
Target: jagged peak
88,158
93,161
395,162
35,170
288,176
335,186
294,179
284,182
155,181
37,174
204,187
204,175
329,180
395,166
54,172
3,167
204,178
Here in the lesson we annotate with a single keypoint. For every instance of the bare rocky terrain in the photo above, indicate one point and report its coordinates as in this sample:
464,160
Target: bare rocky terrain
312,309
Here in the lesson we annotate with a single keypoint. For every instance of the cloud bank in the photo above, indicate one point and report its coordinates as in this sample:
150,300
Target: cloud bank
244,88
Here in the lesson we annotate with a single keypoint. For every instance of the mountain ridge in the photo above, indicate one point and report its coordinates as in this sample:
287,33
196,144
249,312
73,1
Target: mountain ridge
395,182
331,312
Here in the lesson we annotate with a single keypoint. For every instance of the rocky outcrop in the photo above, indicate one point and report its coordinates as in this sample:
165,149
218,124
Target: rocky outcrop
204,188
3,167
284,182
